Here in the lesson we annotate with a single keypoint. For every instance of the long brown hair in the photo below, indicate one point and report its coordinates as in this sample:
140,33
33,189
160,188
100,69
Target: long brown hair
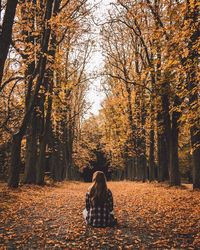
98,190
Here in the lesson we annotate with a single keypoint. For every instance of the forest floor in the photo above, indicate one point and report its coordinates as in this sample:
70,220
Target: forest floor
150,216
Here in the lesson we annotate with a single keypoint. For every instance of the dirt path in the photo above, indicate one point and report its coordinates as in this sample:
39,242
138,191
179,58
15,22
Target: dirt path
151,216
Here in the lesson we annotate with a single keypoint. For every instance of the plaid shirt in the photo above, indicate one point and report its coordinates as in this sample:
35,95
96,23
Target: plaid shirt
100,216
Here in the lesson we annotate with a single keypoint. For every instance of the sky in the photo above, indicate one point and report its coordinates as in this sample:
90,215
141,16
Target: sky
95,95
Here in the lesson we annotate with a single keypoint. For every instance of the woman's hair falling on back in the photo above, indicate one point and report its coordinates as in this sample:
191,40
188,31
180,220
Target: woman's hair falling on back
98,211
98,190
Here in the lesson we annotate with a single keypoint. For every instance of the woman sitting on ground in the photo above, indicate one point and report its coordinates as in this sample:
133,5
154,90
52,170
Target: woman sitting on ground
99,203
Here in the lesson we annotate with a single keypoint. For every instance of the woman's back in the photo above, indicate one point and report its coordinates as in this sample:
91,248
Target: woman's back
100,214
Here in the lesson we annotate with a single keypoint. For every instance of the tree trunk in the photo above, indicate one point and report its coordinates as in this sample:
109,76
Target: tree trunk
166,126
130,118
31,138
31,153
31,134
195,140
191,64
152,145
6,34
47,124
14,171
174,161
68,159
57,164
163,136
143,142
40,165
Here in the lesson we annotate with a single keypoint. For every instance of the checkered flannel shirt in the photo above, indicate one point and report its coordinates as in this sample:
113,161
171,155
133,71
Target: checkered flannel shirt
100,216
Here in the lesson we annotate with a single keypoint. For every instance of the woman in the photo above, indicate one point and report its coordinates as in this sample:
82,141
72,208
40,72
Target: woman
99,203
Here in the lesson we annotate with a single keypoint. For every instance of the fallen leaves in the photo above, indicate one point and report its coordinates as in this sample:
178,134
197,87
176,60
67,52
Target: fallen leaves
150,216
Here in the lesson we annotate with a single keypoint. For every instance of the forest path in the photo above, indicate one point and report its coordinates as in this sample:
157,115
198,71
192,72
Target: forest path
150,216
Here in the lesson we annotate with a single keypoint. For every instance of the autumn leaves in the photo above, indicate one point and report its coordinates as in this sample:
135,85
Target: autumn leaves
150,216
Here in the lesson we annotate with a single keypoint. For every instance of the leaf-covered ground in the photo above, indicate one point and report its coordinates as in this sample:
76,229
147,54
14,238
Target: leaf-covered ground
150,216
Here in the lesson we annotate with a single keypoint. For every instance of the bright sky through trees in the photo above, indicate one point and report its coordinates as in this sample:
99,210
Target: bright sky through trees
95,95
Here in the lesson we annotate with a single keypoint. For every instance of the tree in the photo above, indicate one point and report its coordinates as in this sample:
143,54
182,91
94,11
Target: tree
39,73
